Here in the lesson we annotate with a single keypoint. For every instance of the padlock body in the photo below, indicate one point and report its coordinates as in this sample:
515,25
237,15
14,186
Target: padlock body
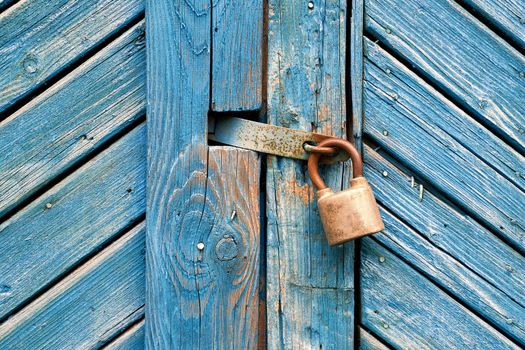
349,214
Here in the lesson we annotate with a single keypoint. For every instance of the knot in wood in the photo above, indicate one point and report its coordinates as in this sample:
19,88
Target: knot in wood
227,248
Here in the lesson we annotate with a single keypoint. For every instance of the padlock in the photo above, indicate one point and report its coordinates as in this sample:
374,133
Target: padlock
351,213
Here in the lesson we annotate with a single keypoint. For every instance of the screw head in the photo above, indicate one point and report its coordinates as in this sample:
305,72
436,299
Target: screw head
311,5
385,173
49,205
382,259
200,246
385,132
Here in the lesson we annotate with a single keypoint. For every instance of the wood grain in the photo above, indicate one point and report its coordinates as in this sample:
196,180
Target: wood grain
40,38
368,342
356,71
459,54
444,146
72,220
409,312
216,285
178,73
72,118
131,339
203,204
448,246
87,308
310,286
237,55
506,15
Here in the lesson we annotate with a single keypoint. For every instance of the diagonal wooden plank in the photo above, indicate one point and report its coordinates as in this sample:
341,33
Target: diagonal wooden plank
131,339
456,252
411,91
368,342
460,55
445,147
237,55
506,15
409,312
72,118
72,220
87,308
309,285
40,38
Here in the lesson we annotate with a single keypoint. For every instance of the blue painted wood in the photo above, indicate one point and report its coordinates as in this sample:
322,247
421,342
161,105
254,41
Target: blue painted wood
356,70
40,38
203,205
455,51
507,15
368,342
453,250
310,286
388,73
131,339
445,147
409,312
72,118
87,308
72,220
237,55
178,50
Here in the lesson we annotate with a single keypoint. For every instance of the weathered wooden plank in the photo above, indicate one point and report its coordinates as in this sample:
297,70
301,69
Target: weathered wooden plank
72,118
4,4
458,53
310,286
356,70
237,55
368,342
451,248
89,306
386,73
178,50
203,205
72,220
220,263
409,312
40,38
419,128
131,339
506,15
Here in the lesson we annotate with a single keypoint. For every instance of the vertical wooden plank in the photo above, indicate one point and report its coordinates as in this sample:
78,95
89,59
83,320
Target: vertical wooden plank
237,55
203,204
356,70
310,285
178,55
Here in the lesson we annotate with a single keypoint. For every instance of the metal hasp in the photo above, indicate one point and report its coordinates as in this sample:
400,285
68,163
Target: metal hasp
351,213
265,138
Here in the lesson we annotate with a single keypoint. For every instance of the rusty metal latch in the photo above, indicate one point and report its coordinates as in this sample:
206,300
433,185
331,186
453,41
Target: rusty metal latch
271,139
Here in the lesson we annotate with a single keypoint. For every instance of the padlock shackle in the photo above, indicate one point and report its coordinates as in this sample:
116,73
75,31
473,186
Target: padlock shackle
347,146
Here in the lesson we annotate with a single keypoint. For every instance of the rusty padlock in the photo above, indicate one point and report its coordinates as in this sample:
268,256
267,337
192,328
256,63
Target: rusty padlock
351,213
